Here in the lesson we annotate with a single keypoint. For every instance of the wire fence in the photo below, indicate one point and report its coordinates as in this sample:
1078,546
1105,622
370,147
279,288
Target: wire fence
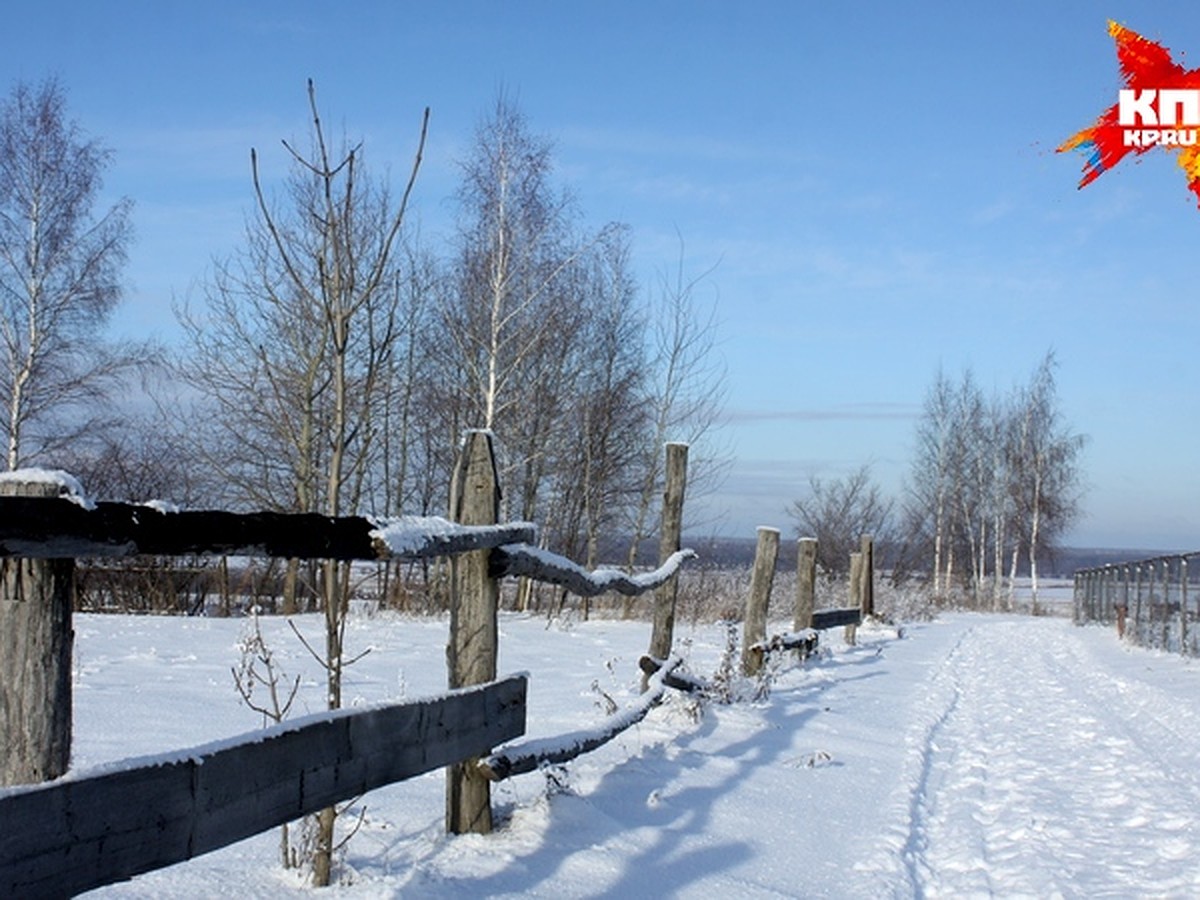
1153,602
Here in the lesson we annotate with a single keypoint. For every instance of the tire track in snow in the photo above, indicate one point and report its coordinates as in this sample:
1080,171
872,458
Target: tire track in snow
1027,773
899,862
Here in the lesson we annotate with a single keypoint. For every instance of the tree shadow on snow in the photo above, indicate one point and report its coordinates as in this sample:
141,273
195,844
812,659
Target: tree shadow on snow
642,822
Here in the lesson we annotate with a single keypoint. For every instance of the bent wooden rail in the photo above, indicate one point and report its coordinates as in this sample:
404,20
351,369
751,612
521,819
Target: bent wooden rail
517,759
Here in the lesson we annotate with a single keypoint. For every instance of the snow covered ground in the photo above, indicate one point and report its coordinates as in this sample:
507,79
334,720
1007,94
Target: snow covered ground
976,755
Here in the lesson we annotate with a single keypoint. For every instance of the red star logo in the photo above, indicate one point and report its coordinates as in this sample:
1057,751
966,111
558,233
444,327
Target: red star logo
1146,66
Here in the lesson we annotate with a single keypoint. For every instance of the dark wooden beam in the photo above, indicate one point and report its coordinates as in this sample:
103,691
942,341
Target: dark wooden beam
65,837
41,528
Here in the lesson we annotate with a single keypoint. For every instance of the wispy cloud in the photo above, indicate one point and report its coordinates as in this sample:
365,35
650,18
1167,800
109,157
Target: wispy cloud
850,412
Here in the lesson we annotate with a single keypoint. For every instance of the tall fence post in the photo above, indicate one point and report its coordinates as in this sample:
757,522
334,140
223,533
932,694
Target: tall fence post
806,582
867,549
754,628
36,597
474,597
1185,646
662,637
856,594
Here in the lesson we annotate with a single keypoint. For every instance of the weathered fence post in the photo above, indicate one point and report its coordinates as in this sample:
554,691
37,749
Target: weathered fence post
806,586
36,597
856,599
1183,610
474,597
806,582
867,549
754,628
670,539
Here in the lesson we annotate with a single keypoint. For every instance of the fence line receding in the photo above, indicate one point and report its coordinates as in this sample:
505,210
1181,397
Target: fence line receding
1152,602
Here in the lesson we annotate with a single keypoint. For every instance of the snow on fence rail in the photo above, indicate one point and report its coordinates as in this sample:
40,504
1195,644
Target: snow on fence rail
84,831
1153,602
80,832
91,829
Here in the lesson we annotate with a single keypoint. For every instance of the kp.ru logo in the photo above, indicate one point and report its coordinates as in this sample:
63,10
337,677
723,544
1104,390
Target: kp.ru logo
1159,108
1138,109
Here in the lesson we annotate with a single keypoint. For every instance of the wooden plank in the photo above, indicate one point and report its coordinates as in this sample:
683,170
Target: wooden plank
77,834
832,618
44,528
688,683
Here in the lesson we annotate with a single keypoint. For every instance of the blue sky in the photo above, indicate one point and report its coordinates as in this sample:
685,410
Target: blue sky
876,183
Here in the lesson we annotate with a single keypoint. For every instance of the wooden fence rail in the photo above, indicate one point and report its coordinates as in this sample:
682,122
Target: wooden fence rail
73,834
82,832
517,759
79,833
58,528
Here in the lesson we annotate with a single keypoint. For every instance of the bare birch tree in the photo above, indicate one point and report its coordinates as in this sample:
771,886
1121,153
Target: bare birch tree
59,275
933,479
296,353
605,427
1044,461
686,394
992,478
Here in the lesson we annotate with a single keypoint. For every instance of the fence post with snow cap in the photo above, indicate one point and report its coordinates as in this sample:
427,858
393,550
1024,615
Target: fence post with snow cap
36,638
806,583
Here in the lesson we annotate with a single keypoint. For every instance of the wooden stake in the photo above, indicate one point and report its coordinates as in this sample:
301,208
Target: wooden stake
662,636
754,628
806,585
474,596
867,549
856,594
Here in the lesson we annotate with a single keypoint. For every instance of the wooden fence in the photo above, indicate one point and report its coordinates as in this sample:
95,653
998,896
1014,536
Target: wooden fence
1152,602
84,831
87,830
75,834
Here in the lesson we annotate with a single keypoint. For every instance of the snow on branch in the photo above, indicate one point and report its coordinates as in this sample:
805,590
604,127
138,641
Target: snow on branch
525,756
541,565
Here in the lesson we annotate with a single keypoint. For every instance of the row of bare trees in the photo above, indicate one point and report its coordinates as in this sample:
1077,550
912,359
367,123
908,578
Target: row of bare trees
994,480
526,325
333,361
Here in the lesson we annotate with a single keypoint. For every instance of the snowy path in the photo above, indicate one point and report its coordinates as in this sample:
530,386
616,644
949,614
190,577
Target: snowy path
977,756
1043,763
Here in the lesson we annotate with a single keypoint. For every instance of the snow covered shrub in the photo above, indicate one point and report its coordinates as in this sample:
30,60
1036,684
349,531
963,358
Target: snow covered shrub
907,603
723,686
557,777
